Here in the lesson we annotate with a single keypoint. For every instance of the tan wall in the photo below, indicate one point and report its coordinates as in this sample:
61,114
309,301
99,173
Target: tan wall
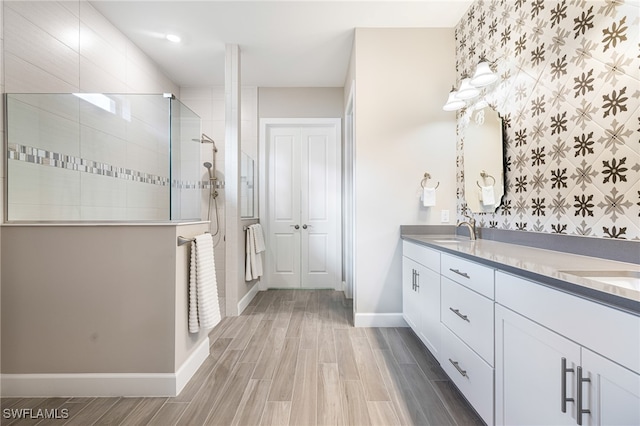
300,102
95,299
402,76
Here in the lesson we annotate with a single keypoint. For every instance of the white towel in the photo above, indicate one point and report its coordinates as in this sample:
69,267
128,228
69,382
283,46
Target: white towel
254,246
204,311
428,197
248,247
488,196
258,237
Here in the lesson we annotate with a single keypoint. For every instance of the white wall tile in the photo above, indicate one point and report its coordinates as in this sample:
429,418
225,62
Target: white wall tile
102,147
101,53
32,44
24,77
94,79
101,27
102,191
53,17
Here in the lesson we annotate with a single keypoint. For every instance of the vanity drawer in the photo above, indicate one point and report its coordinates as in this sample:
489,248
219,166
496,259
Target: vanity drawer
473,275
423,255
469,372
470,316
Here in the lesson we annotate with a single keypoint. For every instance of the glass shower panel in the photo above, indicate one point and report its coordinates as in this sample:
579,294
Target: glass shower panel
185,162
92,157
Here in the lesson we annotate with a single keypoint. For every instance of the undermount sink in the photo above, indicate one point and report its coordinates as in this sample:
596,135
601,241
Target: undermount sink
626,279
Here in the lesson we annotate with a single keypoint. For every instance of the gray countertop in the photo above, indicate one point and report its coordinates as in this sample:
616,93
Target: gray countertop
544,266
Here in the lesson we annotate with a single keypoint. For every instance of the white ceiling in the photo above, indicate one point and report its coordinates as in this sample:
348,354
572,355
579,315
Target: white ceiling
282,43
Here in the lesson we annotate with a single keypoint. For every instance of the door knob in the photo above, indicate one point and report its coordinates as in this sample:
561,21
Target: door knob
304,226
296,226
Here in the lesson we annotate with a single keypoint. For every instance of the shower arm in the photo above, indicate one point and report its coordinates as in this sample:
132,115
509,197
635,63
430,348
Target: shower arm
206,139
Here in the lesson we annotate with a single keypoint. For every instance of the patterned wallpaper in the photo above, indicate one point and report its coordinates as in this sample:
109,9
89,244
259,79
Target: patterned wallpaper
569,95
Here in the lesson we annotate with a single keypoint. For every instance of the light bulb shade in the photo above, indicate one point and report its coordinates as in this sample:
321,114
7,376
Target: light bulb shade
453,104
467,91
483,76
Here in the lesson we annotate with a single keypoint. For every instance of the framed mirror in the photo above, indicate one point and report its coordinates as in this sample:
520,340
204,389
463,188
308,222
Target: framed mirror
247,185
483,152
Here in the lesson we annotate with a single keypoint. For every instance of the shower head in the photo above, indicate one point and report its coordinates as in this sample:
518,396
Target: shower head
209,166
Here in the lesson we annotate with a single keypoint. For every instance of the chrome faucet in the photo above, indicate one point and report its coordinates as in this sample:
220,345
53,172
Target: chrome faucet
470,223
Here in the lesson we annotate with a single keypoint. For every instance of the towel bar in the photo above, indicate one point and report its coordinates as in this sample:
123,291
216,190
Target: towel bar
182,240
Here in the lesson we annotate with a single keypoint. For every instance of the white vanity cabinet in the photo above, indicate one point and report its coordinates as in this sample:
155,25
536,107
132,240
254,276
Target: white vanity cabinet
421,293
467,315
554,355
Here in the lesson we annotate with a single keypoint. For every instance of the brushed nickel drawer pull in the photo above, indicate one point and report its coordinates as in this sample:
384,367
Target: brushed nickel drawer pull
457,312
462,372
580,411
464,274
563,384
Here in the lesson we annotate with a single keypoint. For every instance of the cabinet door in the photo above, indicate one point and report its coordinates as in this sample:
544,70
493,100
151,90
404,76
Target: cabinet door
613,393
529,378
429,297
410,298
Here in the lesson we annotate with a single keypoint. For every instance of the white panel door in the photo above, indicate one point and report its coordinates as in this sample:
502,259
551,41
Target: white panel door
284,207
319,213
303,206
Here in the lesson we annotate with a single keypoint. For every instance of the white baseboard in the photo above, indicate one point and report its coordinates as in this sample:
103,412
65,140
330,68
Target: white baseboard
191,365
379,320
104,384
244,302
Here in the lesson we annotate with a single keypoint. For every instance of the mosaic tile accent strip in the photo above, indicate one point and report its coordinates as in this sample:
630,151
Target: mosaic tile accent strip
569,95
53,159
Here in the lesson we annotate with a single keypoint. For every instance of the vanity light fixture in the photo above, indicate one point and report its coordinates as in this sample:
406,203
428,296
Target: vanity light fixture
469,87
467,91
453,103
173,38
483,75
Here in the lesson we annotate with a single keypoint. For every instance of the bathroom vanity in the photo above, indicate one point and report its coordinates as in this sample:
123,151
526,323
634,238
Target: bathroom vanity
529,336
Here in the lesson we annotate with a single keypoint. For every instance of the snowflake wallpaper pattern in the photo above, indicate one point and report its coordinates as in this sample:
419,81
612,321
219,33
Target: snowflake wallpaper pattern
569,96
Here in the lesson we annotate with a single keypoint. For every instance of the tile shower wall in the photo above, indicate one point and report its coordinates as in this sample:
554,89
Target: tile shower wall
68,47
209,104
569,95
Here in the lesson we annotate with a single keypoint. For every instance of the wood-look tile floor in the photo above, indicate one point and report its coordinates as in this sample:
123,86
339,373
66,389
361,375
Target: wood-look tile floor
292,358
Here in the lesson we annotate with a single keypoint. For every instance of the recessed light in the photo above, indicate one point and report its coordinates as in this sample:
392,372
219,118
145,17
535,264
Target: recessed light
173,38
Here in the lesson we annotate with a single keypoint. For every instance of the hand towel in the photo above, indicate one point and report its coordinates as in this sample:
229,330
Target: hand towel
258,236
204,310
256,257
488,196
247,249
428,197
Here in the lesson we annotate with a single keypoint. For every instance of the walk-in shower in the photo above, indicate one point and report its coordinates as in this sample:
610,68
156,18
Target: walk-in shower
78,157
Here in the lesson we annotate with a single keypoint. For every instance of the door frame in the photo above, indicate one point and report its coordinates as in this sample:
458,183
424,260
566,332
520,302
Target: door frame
348,195
263,182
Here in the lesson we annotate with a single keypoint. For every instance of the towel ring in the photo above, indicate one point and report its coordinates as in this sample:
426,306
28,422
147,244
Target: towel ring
485,175
427,176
